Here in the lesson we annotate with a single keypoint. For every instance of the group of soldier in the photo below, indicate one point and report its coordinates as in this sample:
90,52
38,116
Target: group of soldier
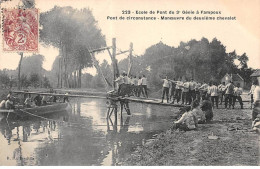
188,91
131,85
183,91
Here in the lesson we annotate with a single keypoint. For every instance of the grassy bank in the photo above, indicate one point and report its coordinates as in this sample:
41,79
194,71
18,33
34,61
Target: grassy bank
236,144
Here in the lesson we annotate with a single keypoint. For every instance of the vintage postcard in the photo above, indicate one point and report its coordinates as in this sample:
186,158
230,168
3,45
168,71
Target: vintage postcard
129,83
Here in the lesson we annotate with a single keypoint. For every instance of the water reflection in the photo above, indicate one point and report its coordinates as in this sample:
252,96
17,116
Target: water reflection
83,136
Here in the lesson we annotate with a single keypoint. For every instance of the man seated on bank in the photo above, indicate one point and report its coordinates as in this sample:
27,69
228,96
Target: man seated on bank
66,97
44,100
28,102
256,125
9,104
189,120
207,108
2,104
37,100
200,115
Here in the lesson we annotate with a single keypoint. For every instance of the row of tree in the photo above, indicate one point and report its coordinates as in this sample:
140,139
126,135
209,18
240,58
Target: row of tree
33,80
74,32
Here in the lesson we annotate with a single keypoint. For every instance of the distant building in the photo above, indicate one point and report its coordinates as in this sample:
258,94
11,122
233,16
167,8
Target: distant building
256,73
235,78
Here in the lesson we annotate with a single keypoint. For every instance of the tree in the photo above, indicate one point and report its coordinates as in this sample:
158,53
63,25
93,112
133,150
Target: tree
24,81
35,80
4,80
46,82
73,32
86,80
243,61
32,64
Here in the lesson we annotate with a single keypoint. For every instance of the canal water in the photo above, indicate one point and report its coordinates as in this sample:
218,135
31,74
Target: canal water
81,135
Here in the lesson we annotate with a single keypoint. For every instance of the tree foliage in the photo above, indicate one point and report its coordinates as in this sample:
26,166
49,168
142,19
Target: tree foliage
201,60
35,80
4,80
32,64
74,32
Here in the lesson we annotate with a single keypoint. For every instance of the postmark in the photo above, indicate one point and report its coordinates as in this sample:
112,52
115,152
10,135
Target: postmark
20,30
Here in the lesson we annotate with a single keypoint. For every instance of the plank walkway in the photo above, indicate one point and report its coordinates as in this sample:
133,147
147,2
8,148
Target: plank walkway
131,99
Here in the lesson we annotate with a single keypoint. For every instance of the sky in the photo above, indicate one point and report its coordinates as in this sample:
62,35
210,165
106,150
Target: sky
242,34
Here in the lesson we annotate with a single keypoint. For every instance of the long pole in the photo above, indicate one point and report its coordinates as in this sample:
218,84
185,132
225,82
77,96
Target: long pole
114,60
19,71
130,60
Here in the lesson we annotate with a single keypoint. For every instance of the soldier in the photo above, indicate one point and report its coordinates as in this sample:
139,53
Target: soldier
144,85
166,86
221,89
214,94
237,95
185,92
229,94
192,93
178,90
173,89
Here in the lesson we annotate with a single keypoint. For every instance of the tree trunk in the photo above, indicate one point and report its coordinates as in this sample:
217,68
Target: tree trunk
19,71
61,77
79,80
58,84
75,79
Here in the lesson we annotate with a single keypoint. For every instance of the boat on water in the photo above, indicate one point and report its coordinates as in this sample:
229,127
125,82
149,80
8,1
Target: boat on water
35,111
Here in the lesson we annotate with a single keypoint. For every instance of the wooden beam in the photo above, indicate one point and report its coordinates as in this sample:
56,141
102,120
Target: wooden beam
122,52
54,94
114,61
130,59
99,69
99,49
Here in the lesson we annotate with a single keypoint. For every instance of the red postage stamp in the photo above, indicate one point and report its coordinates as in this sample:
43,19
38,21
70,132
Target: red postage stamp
20,30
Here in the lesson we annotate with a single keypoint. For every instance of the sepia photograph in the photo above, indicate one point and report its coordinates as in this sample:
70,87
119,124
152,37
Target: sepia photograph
130,83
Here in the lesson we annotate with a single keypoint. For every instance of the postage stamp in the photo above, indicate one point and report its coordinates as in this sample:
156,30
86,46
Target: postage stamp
20,30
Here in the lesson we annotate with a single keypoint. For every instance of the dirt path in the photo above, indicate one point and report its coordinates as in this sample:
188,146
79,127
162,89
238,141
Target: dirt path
237,144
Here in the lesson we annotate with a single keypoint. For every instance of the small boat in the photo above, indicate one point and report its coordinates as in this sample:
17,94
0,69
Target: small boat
35,111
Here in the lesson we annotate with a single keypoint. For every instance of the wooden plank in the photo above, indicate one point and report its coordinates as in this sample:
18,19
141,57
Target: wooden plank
54,94
138,100
99,49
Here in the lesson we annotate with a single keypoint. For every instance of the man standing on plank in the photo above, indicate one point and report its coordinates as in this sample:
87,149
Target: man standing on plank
166,86
140,87
185,92
144,85
178,90
197,91
192,86
221,89
119,80
173,90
